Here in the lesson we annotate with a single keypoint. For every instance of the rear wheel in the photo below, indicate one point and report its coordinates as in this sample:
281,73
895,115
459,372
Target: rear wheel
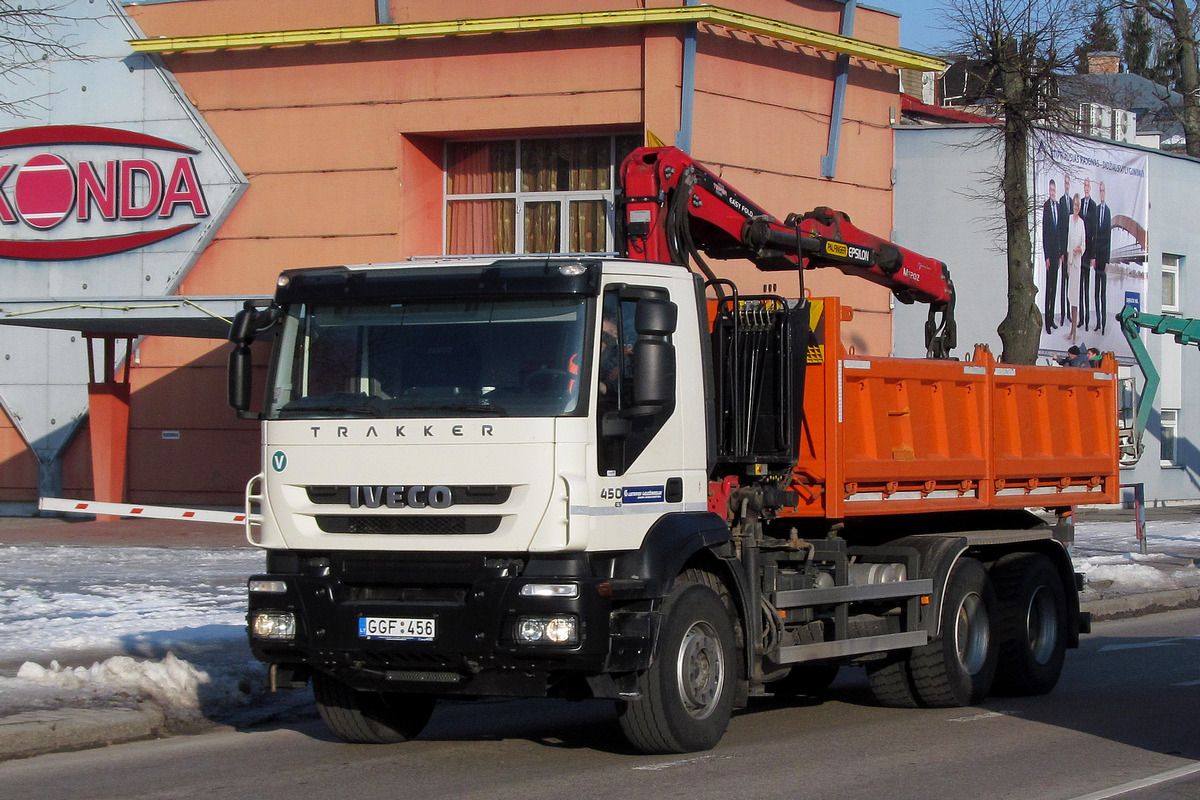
687,693
370,717
957,668
891,681
1031,624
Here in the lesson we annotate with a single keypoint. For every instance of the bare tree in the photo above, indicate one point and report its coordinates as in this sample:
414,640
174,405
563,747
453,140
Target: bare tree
1018,48
1180,18
31,35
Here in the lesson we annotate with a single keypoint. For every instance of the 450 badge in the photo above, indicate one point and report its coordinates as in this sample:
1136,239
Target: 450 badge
633,494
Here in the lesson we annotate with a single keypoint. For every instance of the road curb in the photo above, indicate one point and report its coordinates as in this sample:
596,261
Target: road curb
33,733
1136,605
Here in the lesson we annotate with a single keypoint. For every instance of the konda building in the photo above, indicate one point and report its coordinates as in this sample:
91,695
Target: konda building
206,145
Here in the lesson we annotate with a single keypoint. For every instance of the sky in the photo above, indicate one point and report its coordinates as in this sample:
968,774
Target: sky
919,25
104,627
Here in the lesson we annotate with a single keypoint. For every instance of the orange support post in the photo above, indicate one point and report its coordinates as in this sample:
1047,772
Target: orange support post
108,419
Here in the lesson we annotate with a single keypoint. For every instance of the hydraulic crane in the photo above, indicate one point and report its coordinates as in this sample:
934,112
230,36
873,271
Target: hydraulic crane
1185,331
675,207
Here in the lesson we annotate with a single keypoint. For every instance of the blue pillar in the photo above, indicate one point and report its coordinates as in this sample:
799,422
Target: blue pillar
683,136
829,160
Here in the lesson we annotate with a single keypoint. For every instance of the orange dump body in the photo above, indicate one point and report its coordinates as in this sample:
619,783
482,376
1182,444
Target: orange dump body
900,435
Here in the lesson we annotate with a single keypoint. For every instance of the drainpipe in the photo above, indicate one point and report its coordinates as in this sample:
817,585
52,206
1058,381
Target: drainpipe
829,160
683,136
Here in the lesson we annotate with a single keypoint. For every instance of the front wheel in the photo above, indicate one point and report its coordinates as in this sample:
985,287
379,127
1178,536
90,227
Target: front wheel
957,668
370,717
687,693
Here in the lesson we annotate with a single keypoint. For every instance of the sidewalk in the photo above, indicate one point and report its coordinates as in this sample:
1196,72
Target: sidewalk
37,732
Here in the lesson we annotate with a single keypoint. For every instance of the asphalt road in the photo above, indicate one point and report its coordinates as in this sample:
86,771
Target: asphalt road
1122,723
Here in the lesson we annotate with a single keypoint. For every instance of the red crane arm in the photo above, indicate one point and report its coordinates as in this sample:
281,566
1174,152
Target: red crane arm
674,206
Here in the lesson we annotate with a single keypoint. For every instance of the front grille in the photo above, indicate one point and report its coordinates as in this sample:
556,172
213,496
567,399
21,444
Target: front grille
409,524
452,595
460,495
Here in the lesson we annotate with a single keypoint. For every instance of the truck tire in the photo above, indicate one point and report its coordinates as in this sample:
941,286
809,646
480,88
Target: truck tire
1031,627
957,667
370,717
891,681
804,679
687,693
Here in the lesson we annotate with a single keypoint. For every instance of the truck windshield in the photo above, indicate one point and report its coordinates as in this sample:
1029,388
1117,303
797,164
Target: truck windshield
430,359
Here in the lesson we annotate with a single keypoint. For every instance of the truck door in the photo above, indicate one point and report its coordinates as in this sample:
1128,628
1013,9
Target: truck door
641,451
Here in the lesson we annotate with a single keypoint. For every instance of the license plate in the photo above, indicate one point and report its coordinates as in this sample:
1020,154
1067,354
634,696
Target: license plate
397,629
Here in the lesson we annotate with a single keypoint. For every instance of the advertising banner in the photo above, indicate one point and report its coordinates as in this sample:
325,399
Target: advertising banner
1089,241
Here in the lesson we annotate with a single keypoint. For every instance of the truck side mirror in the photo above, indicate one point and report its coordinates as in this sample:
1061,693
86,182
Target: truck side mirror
241,367
654,317
653,355
246,325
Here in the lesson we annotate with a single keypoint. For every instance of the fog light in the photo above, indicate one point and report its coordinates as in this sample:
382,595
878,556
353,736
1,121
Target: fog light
550,590
274,625
267,586
548,630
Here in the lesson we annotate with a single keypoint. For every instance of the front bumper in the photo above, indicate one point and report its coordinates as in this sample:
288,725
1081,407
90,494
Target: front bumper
475,601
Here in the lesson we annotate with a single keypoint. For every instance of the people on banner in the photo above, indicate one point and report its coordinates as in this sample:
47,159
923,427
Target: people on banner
1076,249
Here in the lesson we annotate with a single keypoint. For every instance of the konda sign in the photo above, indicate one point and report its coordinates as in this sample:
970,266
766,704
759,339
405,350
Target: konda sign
78,191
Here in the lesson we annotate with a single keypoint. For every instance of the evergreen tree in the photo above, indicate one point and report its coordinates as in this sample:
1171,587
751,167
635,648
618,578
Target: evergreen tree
1165,72
1101,37
1139,42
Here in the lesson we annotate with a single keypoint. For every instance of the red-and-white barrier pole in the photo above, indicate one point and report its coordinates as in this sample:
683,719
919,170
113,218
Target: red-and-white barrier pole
152,512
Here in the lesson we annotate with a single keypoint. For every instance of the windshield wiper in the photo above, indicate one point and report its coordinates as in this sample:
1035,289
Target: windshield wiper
348,403
462,408
330,408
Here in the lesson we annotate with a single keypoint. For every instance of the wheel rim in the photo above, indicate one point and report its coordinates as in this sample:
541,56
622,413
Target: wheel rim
1041,623
700,670
971,636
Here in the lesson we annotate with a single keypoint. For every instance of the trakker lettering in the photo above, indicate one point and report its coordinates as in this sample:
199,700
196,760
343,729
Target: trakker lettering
401,496
81,185
401,431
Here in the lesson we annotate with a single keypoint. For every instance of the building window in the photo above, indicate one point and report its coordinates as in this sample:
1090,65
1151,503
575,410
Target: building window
548,195
1169,454
1170,282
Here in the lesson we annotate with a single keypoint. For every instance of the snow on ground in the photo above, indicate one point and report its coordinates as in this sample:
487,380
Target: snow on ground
93,627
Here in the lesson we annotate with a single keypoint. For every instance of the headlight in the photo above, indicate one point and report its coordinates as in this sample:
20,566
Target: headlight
274,625
548,630
268,586
550,590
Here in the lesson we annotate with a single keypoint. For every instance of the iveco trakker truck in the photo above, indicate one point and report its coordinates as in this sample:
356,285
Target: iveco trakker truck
598,477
